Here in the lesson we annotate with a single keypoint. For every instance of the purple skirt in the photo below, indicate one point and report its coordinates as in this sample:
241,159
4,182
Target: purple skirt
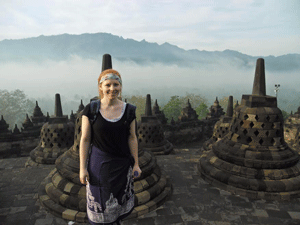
110,194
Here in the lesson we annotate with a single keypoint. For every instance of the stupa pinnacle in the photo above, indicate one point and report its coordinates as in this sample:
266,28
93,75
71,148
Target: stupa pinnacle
259,85
229,112
106,62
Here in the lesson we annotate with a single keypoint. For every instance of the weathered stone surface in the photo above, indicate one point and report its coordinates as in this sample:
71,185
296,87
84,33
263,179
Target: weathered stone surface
215,111
57,136
159,114
4,127
38,118
292,130
193,201
253,158
188,113
221,127
151,134
72,117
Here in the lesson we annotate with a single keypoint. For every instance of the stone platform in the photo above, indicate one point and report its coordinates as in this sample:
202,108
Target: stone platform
193,202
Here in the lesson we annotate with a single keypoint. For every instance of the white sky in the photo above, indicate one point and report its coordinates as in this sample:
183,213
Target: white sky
253,27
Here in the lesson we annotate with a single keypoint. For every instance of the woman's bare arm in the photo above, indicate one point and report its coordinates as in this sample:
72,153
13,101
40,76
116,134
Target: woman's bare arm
133,144
85,142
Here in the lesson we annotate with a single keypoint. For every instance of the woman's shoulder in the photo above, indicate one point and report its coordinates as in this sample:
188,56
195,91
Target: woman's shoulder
85,111
130,112
131,106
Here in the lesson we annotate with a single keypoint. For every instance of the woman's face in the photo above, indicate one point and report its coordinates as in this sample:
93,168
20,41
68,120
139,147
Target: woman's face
110,88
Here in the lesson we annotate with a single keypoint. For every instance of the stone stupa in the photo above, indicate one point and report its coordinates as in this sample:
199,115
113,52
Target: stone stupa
57,135
292,130
215,111
188,113
221,127
253,159
5,133
159,114
38,119
150,133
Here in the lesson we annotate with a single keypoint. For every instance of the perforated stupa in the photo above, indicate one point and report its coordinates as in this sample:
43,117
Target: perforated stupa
253,159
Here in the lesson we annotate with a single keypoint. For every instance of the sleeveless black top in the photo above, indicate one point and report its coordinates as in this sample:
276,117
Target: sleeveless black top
108,136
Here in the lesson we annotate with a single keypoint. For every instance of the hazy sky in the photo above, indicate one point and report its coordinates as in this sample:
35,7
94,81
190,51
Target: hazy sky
254,27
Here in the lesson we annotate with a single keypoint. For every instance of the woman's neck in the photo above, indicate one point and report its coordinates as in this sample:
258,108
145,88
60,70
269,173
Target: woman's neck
110,102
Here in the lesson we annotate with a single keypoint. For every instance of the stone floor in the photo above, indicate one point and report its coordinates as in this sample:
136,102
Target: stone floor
193,200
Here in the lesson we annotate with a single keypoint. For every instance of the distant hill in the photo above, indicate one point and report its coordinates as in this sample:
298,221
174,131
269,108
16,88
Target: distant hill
93,46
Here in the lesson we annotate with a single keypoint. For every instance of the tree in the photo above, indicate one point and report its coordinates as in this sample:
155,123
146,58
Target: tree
202,110
175,105
195,100
13,106
139,102
173,108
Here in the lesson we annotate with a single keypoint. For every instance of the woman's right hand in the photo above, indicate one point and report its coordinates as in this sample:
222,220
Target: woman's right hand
84,176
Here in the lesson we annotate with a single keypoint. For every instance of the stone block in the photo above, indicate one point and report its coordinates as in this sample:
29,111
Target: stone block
143,197
81,217
69,214
141,210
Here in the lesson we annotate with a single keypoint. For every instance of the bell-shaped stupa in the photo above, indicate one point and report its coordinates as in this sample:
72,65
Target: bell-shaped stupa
159,114
221,127
16,130
27,123
215,111
6,138
188,113
29,129
57,135
253,159
4,131
72,117
80,107
150,133
38,119
63,195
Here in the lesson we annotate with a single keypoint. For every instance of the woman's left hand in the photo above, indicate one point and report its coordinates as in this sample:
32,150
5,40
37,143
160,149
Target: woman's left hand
136,168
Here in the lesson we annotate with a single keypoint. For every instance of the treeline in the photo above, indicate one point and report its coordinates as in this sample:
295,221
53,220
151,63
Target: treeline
173,107
14,105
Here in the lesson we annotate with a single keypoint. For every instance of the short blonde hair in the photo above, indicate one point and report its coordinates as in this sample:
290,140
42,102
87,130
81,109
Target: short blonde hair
105,72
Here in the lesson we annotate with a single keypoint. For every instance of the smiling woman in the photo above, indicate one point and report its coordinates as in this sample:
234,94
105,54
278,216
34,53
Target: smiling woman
109,169
110,84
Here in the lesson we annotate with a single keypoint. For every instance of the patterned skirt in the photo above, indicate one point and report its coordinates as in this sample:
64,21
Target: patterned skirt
110,194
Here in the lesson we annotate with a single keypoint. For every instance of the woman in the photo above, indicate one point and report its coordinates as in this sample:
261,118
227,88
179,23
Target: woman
108,169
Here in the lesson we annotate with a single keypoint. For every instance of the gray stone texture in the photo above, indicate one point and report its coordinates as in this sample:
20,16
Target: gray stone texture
193,201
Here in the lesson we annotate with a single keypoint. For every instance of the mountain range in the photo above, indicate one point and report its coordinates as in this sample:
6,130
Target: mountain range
93,46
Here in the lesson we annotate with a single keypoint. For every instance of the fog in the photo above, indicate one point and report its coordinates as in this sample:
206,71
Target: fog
76,79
